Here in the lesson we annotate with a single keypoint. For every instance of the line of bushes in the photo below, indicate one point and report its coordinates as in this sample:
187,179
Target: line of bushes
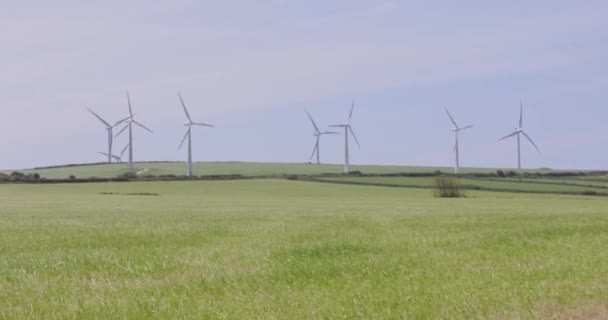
498,173
19,177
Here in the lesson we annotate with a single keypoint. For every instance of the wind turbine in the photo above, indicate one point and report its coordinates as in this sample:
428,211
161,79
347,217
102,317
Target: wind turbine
318,133
110,129
188,134
130,121
347,129
117,158
456,131
519,131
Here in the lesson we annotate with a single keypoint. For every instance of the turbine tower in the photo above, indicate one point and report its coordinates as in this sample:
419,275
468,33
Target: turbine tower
130,121
188,134
518,132
456,131
318,133
347,130
110,129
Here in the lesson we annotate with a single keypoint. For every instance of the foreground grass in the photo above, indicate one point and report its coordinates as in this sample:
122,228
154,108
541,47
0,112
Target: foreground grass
281,249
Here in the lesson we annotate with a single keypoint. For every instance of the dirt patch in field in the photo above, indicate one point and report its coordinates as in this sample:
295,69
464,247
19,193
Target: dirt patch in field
587,311
130,194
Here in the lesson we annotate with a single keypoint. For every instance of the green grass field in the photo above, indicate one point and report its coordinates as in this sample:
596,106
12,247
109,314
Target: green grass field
242,168
278,249
563,186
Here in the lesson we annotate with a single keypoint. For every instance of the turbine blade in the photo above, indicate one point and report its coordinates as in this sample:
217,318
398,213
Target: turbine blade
203,124
103,153
313,122
451,118
354,136
124,150
121,131
184,139
350,115
521,114
141,125
184,106
508,136
117,123
338,125
314,150
532,142
329,132
467,127
129,102
98,117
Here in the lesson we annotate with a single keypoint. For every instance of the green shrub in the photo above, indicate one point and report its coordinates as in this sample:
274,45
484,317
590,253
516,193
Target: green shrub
447,187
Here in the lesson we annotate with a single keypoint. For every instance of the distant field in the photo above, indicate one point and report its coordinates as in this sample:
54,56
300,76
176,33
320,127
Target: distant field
242,168
278,249
573,186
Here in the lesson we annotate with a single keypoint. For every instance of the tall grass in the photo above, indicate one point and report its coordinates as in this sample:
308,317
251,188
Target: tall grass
270,249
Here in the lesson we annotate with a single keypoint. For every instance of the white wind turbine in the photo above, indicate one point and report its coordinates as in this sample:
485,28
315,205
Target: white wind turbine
110,129
519,131
115,157
188,134
130,121
456,131
318,133
347,130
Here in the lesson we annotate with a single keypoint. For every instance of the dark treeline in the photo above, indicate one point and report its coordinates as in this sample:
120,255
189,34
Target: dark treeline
20,177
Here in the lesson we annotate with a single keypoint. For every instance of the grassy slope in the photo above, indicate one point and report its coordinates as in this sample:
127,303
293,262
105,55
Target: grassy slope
594,181
281,249
213,168
512,185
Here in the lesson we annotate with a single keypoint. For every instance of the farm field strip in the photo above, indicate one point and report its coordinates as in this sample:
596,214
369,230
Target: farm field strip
504,185
242,168
275,248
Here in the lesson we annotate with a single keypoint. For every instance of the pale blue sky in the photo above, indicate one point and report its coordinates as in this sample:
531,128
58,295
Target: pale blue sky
251,67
